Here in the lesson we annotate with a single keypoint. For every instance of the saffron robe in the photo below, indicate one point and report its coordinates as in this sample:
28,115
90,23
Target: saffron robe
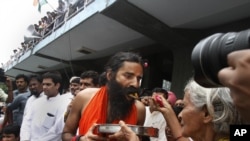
96,112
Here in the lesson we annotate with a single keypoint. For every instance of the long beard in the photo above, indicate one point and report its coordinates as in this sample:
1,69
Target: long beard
119,105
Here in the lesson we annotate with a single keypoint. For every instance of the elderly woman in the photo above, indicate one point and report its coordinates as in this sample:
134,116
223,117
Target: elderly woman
207,113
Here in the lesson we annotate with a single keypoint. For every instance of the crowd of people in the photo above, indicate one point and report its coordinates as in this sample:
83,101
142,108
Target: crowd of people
46,25
37,110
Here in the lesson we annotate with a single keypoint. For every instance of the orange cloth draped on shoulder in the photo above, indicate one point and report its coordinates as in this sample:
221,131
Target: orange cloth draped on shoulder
96,112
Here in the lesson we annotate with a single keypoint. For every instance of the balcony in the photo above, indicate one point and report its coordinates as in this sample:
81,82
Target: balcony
103,27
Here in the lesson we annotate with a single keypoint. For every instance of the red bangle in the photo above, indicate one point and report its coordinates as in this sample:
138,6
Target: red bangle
176,139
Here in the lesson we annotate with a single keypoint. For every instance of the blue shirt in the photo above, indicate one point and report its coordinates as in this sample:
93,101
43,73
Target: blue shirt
17,106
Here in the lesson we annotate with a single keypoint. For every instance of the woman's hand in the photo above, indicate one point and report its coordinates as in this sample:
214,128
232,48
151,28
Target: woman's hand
157,106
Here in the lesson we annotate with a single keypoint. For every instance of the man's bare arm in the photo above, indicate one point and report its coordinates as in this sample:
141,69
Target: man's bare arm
71,124
141,112
78,105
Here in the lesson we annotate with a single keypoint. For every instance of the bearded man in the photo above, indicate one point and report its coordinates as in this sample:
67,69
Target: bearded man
110,103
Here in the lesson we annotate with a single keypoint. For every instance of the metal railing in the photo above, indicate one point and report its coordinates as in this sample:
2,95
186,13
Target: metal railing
52,27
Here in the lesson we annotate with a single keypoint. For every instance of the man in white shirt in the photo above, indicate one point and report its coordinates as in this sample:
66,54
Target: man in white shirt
36,90
46,113
155,118
74,87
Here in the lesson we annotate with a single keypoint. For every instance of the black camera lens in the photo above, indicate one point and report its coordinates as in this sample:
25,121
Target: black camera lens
209,56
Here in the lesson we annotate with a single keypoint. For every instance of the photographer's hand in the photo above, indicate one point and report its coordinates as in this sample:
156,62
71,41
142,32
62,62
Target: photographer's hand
237,78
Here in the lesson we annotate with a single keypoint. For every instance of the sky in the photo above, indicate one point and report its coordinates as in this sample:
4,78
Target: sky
16,16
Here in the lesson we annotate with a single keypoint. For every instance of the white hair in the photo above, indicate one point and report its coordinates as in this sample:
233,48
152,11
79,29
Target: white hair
218,102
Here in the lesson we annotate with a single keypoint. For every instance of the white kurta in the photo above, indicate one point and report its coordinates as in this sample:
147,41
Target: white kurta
156,120
25,127
46,119
30,101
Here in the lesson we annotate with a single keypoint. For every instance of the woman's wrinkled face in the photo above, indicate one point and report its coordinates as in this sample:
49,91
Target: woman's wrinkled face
191,118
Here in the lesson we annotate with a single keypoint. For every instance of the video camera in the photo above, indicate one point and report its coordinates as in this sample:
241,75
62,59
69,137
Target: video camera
2,76
209,56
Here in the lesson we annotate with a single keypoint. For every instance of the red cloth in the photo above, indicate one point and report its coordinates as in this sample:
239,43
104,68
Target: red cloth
96,112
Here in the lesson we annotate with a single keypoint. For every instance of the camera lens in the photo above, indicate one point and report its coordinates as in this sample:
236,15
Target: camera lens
210,55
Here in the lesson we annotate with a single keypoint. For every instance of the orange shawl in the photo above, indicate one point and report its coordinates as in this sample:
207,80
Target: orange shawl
96,112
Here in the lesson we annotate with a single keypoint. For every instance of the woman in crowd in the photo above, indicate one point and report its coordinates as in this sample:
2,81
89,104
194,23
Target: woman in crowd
207,113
